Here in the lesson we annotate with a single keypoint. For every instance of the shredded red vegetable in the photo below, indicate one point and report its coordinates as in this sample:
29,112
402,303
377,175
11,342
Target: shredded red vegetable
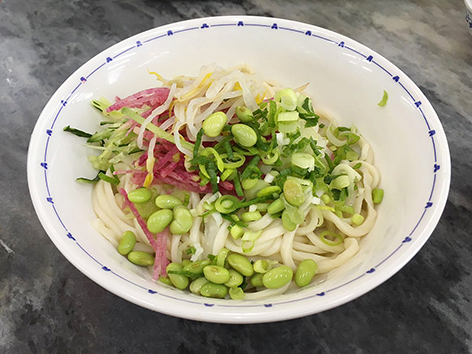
161,261
152,97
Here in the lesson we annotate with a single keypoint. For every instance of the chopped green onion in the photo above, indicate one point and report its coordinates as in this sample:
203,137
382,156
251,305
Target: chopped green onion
190,250
287,98
345,209
108,179
250,166
228,174
234,164
377,195
268,191
248,183
340,182
325,198
227,204
198,142
357,166
213,177
237,185
251,216
236,231
286,117
357,219
338,239
384,100
77,132
302,160
250,236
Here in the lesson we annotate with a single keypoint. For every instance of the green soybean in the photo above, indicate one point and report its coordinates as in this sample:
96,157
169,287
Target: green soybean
140,195
166,280
244,114
256,280
141,258
216,274
277,277
276,207
293,192
127,242
244,135
241,264
197,284
159,220
185,262
214,124
179,281
196,268
182,222
236,293
165,201
213,290
305,272
235,279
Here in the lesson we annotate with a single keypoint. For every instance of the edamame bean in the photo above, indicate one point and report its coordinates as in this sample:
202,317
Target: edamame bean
179,281
127,242
289,225
236,293
214,124
305,272
186,262
166,280
235,279
140,195
244,114
293,192
141,258
244,135
196,268
165,201
216,274
256,280
276,207
197,284
213,290
158,221
182,222
241,264
277,277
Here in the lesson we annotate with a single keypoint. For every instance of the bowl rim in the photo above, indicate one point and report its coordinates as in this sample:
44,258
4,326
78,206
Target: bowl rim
255,317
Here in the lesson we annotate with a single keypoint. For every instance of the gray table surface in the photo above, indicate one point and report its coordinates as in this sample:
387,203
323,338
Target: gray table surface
48,306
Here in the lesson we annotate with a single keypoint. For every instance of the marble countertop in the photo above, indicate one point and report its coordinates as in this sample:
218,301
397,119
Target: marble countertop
48,306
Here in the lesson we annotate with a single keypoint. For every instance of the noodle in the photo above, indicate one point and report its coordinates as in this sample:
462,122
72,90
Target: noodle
188,104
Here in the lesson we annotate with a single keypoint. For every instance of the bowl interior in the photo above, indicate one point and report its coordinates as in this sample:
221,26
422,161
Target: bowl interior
347,81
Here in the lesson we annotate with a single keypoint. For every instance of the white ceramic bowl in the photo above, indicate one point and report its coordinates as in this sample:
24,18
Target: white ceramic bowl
468,14
347,80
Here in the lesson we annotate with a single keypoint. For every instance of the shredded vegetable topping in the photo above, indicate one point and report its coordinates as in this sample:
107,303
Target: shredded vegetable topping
227,163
